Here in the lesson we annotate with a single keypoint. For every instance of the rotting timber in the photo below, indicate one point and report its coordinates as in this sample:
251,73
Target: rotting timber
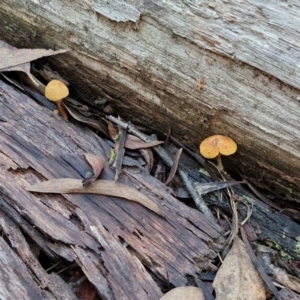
112,240
124,249
221,68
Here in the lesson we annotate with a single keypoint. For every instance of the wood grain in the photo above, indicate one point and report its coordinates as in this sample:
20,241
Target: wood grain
121,246
149,56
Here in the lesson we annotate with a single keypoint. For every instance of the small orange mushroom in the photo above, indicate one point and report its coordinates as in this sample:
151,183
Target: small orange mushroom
56,91
215,145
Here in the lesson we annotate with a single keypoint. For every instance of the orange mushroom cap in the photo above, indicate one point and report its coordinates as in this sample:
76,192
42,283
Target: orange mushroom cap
217,144
56,90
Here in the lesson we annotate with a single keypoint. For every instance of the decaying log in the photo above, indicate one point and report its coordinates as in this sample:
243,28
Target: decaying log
122,247
269,223
20,284
199,67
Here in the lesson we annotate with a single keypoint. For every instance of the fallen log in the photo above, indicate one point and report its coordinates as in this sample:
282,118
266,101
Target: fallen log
200,68
124,249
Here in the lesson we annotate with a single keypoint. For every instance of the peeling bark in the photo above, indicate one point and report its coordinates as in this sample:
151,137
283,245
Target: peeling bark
121,246
202,68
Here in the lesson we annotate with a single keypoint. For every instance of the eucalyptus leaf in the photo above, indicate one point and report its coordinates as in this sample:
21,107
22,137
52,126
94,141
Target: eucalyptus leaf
207,187
102,187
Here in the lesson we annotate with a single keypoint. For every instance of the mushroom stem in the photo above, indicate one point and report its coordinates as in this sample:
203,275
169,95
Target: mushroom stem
62,110
220,165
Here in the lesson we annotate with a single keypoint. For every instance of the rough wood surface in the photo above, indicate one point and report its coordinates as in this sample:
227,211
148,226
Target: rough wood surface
21,284
200,67
121,246
268,221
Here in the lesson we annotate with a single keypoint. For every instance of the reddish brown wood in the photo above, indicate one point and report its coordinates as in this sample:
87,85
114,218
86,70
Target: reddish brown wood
121,246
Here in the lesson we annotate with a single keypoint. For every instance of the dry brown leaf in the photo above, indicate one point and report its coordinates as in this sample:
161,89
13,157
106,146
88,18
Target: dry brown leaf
97,163
112,130
21,68
260,269
237,278
132,142
184,292
91,122
174,166
148,156
285,279
132,137
102,187
87,291
14,57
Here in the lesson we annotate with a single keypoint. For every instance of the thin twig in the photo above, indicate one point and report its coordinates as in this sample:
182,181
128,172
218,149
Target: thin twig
199,202
120,153
70,267
55,265
249,212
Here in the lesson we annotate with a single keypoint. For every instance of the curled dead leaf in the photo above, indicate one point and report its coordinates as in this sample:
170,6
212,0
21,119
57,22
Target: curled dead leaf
112,130
97,163
132,142
148,156
91,122
10,63
174,166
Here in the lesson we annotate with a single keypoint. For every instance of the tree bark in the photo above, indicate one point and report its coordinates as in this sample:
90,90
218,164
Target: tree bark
124,249
195,66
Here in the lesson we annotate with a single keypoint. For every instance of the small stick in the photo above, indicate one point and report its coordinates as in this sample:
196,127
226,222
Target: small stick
199,202
120,153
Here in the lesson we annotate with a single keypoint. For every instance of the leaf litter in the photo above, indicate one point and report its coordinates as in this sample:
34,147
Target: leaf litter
112,130
11,56
147,154
237,277
97,163
174,166
91,122
184,292
13,59
25,67
133,142
102,187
